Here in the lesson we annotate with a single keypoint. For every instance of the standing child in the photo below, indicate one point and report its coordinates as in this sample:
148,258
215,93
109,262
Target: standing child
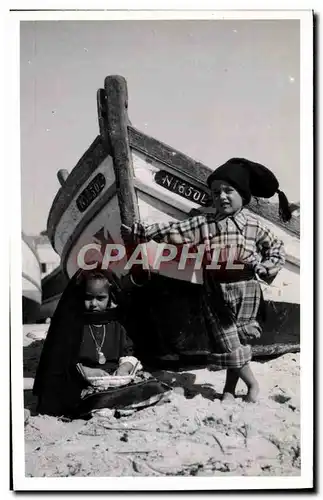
231,297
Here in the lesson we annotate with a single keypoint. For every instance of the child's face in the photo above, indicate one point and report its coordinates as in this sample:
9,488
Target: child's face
96,295
225,198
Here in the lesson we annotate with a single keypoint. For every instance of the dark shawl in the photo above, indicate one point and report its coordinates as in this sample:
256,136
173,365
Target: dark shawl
58,384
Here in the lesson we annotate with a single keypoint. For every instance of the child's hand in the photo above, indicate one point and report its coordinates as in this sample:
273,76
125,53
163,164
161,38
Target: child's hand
267,271
124,369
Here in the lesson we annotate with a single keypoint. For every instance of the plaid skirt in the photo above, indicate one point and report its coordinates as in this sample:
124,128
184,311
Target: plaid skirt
231,316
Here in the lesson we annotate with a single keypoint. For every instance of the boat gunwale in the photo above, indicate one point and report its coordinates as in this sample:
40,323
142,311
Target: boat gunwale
137,141
74,181
87,164
52,298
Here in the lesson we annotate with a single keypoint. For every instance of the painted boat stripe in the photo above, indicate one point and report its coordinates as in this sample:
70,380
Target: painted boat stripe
90,215
72,216
179,203
85,167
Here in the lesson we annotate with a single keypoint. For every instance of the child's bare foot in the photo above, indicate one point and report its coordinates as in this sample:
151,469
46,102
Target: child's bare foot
252,395
227,396
230,385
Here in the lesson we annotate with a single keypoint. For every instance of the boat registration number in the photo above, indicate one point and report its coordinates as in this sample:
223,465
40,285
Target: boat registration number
91,192
183,188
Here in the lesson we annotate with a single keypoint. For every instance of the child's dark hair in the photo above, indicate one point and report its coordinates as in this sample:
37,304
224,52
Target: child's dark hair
98,275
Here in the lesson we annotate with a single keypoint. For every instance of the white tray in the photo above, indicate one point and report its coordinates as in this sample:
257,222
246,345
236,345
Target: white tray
111,381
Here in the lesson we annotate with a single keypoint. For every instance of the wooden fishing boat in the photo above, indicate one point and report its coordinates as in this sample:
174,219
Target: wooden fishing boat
31,280
126,175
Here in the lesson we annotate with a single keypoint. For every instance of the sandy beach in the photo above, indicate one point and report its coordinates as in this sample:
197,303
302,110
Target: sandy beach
191,434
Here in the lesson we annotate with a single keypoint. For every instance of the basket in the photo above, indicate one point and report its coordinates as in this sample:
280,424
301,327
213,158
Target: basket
110,381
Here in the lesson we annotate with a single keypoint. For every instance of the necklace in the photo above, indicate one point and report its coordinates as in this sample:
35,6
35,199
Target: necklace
102,358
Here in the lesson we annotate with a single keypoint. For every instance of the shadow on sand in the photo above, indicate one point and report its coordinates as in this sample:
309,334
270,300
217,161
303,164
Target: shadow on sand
183,380
186,381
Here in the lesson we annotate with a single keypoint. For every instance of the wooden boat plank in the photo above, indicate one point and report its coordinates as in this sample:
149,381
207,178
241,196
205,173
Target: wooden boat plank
127,147
117,123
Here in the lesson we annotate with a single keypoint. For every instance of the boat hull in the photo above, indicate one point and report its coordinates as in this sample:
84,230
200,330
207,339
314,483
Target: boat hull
100,224
53,286
31,281
126,175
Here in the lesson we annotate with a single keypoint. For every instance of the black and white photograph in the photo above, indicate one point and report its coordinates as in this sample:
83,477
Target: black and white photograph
166,196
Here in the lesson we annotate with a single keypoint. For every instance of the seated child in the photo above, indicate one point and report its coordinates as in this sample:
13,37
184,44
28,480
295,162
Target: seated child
105,348
86,339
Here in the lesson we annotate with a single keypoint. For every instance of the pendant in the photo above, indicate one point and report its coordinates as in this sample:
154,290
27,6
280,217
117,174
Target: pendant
102,358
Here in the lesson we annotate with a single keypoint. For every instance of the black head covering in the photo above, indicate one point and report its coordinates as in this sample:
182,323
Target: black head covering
251,179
